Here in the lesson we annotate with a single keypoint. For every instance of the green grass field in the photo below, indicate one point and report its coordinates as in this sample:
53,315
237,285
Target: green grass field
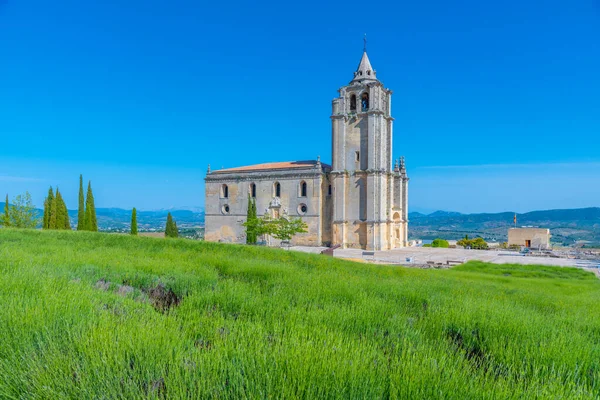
244,322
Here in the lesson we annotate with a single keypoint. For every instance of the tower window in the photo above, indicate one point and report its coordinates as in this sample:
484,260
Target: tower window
329,191
277,189
224,192
369,72
302,189
253,190
357,156
353,102
364,101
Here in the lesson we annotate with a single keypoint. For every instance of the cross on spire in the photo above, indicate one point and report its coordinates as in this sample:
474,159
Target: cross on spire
365,44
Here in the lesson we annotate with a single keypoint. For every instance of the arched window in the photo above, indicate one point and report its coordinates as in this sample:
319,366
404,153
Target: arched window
364,101
224,191
353,102
276,189
302,189
253,190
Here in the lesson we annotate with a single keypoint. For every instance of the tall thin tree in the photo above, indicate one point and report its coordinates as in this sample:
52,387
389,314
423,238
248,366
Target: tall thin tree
175,231
46,211
53,212
91,224
81,210
48,208
60,211
134,228
169,227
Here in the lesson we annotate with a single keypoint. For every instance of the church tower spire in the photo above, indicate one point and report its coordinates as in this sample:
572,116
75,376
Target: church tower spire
364,72
368,206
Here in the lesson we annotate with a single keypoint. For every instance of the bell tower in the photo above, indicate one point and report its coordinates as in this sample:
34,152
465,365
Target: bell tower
369,197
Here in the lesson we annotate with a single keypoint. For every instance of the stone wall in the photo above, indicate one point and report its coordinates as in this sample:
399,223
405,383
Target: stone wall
538,237
223,226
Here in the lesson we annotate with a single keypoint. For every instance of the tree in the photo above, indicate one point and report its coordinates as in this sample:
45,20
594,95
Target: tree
60,211
81,210
287,228
48,209
282,228
23,213
440,243
479,244
6,217
53,212
134,228
91,223
251,222
171,228
175,230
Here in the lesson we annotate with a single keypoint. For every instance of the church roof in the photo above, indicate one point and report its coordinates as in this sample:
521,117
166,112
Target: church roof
365,71
285,165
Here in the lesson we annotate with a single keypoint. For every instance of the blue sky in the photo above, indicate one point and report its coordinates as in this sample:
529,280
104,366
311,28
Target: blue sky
497,105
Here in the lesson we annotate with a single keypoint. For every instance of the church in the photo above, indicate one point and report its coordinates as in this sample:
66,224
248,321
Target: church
359,201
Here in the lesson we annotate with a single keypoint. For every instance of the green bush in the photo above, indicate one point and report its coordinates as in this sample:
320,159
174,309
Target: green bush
440,243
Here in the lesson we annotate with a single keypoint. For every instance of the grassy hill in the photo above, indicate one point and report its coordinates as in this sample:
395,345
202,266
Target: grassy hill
91,315
567,226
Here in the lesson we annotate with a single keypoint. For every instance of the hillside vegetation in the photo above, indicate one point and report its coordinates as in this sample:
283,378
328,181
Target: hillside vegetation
91,315
567,226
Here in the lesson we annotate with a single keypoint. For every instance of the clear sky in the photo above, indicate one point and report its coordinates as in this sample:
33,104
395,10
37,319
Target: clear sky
497,104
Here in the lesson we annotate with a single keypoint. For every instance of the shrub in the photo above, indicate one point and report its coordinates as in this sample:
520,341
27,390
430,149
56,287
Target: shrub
440,243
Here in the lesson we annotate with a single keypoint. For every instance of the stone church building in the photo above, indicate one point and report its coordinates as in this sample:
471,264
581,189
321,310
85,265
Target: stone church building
359,201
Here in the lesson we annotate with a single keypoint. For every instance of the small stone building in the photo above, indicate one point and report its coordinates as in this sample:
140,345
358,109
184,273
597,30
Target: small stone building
535,238
360,201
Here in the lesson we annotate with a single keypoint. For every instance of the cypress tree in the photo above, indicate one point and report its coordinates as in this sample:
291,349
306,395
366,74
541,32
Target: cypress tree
251,222
175,230
91,224
53,212
67,220
169,227
134,230
81,210
6,216
48,208
60,211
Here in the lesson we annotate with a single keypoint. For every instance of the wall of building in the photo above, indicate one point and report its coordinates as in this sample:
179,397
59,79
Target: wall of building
539,237
227,227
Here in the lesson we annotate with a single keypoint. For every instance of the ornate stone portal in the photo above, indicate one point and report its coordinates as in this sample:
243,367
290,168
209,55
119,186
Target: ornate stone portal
359,201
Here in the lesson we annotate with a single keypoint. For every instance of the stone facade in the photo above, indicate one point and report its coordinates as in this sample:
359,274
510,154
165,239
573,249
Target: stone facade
535,238
294,189
360,201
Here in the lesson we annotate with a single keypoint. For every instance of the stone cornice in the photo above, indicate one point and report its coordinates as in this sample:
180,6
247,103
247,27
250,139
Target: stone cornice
262,176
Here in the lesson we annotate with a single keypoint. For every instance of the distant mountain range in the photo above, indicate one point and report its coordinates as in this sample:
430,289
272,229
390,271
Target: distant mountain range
567,226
